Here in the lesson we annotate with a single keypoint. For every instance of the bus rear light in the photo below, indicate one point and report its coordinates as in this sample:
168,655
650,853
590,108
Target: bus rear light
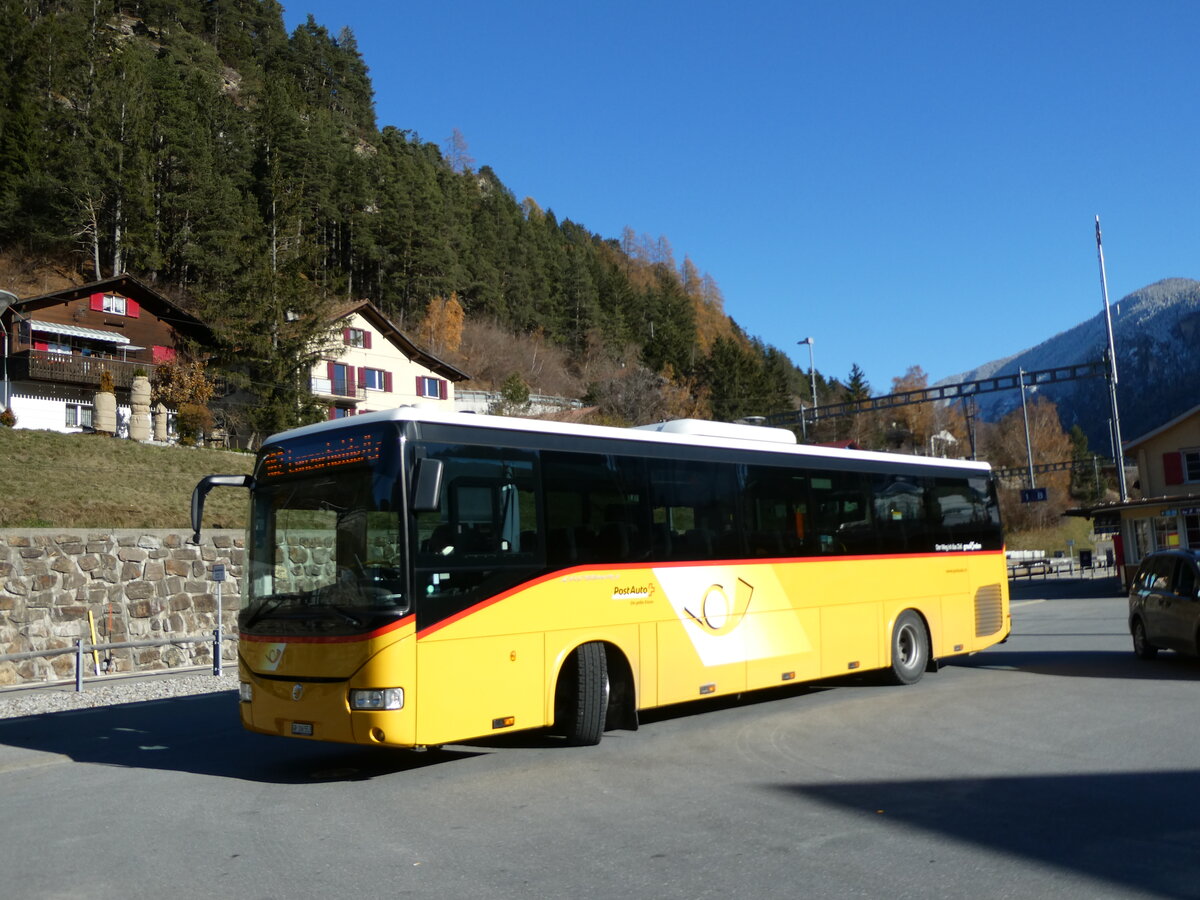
245,691
380,698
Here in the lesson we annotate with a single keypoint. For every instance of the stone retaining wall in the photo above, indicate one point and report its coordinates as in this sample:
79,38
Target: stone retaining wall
137,585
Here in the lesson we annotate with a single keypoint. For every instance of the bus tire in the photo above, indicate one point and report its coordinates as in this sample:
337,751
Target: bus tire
583,690
910,648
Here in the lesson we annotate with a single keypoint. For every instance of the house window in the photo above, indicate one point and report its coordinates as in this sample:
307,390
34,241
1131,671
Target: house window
59,346
1166,532
114,305
1191,465
342,378
433,388
79,415
356,337
338,412
375,379
1191,527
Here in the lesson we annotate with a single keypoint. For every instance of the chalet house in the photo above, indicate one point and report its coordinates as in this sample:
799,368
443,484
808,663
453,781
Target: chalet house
56,345
371,365
1167,514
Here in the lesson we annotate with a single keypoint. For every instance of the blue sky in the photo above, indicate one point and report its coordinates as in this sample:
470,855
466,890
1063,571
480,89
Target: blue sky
908,183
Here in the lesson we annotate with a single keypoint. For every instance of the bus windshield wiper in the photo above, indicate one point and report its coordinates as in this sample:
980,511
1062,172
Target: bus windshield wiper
269,604
353,620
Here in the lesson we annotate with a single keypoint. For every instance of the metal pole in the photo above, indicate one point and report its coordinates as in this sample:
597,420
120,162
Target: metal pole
1119,454
1028,443
812,374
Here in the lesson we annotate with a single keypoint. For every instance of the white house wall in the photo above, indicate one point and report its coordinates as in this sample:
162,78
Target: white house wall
386,356
47,414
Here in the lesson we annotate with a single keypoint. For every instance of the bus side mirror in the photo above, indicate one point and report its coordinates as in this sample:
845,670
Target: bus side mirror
427,485
207,483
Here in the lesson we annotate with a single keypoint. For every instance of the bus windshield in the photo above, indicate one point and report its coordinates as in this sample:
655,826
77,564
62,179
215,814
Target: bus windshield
325,554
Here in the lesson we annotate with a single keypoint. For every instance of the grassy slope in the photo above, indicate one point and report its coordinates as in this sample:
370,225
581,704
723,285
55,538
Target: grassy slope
87,481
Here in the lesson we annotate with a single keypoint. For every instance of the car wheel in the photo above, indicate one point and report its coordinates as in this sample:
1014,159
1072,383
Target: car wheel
1142,647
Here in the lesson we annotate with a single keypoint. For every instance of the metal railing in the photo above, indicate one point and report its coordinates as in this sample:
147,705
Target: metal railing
83,646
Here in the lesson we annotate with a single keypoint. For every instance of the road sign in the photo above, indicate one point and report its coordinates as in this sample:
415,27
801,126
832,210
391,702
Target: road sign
1033,495
218,572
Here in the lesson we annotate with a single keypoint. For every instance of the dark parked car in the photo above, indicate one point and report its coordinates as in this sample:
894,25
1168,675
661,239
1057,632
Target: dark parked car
1164,608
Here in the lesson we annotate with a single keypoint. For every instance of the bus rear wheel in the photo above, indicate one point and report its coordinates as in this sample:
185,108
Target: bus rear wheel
581,705
910,648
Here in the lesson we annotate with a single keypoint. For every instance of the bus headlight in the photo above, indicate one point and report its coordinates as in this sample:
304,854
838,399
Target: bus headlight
382,698
245,691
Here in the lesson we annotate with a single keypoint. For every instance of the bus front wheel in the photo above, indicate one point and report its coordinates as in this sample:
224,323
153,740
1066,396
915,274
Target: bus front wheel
910,648
582,697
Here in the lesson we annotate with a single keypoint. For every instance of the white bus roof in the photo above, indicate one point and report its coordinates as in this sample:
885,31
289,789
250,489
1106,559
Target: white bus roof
685,432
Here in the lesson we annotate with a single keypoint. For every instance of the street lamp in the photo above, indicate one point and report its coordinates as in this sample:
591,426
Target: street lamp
812,374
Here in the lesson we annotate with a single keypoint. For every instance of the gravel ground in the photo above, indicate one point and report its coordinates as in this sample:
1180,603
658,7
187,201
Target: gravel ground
35,701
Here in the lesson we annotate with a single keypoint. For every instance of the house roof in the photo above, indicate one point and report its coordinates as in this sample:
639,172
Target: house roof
1116,506
126,286
375,316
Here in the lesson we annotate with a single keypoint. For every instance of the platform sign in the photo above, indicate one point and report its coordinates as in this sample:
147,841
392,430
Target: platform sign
1033,495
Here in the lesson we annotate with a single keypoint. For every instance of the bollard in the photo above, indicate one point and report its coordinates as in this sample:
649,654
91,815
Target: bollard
79,665
218,575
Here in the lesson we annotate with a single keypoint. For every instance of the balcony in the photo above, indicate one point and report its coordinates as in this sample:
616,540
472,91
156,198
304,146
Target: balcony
337,389
61,368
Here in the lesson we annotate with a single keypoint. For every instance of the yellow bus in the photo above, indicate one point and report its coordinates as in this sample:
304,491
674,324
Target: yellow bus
415,578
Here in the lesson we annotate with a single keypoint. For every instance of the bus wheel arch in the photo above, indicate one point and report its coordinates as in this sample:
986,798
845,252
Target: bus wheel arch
594,692
910,648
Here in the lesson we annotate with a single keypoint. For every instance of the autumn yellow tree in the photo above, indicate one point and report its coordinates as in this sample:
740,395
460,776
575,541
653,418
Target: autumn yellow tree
184,384
910,426
441,330
1004,447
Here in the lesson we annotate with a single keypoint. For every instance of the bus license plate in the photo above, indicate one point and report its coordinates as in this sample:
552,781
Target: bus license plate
304,728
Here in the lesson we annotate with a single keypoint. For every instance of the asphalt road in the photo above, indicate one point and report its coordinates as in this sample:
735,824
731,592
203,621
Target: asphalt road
1054,765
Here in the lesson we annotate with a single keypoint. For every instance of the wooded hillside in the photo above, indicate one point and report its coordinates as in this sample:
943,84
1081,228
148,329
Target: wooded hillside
200,147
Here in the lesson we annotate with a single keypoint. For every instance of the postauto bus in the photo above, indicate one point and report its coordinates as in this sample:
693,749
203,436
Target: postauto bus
415,578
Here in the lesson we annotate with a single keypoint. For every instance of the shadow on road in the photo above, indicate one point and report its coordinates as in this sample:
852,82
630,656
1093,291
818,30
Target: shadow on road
1085,664
1128,829
202,735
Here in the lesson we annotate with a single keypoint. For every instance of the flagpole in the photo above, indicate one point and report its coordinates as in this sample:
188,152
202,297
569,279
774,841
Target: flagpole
1118,450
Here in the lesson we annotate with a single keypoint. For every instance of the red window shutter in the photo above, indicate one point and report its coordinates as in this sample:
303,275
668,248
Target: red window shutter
1173,468
362,377
332,414
420,386
346,336
387,381
96,303
350,382
366,340
330,369
443,389
132,309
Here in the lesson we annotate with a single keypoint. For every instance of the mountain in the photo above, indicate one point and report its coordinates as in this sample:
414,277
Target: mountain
1155,333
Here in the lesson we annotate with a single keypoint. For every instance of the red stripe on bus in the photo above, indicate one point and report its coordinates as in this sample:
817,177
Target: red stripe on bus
775,560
